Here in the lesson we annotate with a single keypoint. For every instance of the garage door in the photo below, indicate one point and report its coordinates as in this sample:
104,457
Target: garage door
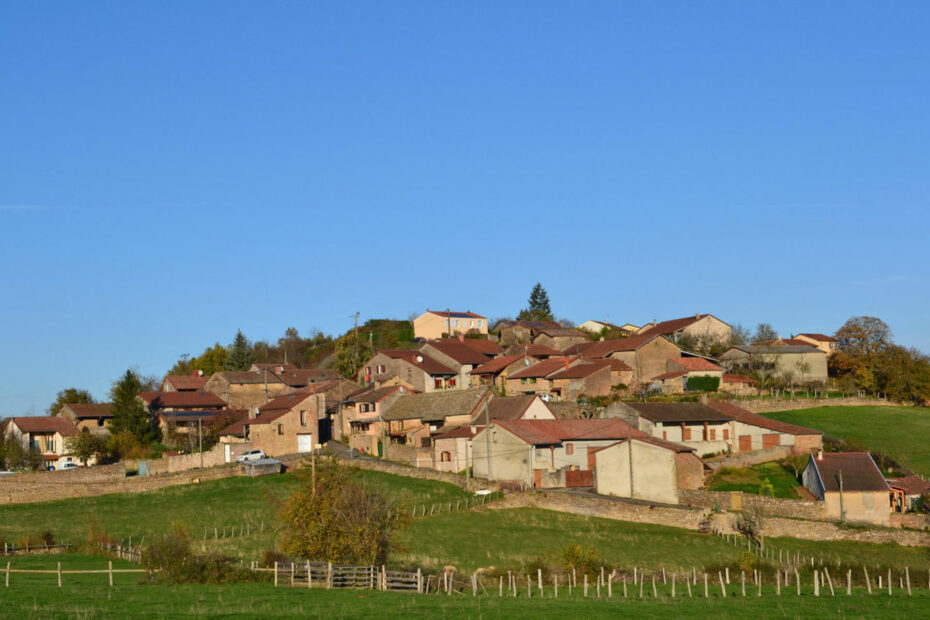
770,440
305,443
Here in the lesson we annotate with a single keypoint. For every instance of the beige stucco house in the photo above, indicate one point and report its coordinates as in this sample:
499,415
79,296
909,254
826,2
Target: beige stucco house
415,369
288,424
827,344
789,363
647,355
359,421
648,469
245,389
434,324
86,416
44,434
704,327
850,485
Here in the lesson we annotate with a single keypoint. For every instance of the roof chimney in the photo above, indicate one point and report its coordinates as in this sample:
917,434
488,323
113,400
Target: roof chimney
819,454
698,315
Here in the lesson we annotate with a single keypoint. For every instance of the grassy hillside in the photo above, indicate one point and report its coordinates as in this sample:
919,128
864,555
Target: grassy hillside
899,432
751,479
88,596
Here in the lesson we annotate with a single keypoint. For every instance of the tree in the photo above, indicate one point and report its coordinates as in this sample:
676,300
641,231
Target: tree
86,445
347,358
903,374
332,517
69,396
241,355
738,335
129,414
764,332
860,341
538,308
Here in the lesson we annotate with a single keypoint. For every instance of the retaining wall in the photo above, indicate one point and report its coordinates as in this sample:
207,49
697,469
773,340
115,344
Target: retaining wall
784,404
774,506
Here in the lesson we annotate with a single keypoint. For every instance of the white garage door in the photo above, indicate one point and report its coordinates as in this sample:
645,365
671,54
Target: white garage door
305,443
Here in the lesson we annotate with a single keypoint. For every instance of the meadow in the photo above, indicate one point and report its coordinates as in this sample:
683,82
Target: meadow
899,432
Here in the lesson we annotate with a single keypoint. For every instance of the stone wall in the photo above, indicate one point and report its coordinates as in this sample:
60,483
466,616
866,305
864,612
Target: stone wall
745,459
912,520
690,518
415,472
773,506
29,489
779,404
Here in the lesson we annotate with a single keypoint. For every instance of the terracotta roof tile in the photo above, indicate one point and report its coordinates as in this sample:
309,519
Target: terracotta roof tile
186,382
748,417
679,412
732,378
420,360
458,351
911,485
543,368
182,400
45,424
695,363
498,364
859,471
88,410
435,405
674,325
552,432
820,337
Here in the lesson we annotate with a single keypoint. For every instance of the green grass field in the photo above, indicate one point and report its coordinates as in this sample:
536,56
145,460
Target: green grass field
899,432
88,596
749,479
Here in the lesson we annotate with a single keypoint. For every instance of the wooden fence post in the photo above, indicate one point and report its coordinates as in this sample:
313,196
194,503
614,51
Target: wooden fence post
706,593
276,574
329,575
539,581
586,585
723,587
907,577
868,582
59,574
797,581
420,580
384,578
309,575
110,570
292,573
816,583
8,573
742,579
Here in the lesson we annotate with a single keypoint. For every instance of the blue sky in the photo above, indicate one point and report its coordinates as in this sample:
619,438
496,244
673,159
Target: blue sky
172,171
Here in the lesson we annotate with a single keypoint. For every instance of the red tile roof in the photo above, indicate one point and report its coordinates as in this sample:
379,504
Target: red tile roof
695,363
543,368
911,485
606,348
299,377
458,351
662,443
186,382
482,345
541,350
585,368
859,471
470,315
181,400
577,349
783,342
670,375
821,337
498,364
369,395
748,417
552,432
287,401
420,360
675,325
461,431
45,424
87,410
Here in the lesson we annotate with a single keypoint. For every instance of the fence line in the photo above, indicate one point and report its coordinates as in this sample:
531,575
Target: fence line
460,504
336,577
59,572
10,549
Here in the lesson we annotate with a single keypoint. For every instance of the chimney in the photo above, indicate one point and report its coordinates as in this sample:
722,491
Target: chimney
698,315
253,413
819,454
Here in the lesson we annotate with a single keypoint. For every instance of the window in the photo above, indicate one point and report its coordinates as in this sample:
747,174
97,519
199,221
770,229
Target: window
438,384
303,417
523,381
455,323
569,448
685,433
664,434
280,429
452,382
726,434
445,457
713,434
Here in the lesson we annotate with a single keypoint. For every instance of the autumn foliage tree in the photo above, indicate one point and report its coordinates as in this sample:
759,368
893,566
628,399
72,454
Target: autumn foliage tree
860,343
334,518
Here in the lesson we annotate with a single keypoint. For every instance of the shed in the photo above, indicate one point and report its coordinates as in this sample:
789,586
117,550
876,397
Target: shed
262,467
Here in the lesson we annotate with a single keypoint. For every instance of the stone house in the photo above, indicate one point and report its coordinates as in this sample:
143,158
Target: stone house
495,372
183,412
596,327
359,421
456,355
539,351
589,378
304,377
738,385
715,427
648,469
558,337
434,324
44,434
790,363
452,449
413,419
418,371
679,370
647,355
194,382
544,453
245,389
86,416
509,332
534,379
287,424
704,327
827,344
850,485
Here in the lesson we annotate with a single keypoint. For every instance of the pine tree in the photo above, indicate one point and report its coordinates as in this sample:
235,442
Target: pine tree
129,413
241,355
538,309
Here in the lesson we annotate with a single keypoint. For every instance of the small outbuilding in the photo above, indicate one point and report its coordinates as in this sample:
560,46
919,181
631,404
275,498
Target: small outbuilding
262,467
647,468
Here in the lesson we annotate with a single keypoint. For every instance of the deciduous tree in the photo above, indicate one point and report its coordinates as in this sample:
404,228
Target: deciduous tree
764,332
69,396
86,445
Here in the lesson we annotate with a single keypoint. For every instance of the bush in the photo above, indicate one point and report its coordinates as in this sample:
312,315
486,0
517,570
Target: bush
270,556
703,384
172,555
766,488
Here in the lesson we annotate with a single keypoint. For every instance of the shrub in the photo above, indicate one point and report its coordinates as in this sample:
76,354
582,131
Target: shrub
766,488
172,555
703,384
585,560
270,556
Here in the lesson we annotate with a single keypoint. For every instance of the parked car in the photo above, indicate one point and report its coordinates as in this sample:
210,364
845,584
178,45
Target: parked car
251,455
68,465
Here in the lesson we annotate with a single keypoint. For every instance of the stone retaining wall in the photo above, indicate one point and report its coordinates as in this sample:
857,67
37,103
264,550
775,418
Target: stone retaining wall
413,472
763,405
774,506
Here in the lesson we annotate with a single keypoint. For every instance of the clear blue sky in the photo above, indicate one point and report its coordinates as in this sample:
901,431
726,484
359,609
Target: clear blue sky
173,171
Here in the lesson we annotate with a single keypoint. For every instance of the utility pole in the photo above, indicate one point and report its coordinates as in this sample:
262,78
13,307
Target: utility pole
487,433
313,472
467,469
200,438
383,451
629,441
355,354
842,512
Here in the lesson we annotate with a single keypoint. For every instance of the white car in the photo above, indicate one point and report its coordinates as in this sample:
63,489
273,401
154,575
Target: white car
68,465
251,455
